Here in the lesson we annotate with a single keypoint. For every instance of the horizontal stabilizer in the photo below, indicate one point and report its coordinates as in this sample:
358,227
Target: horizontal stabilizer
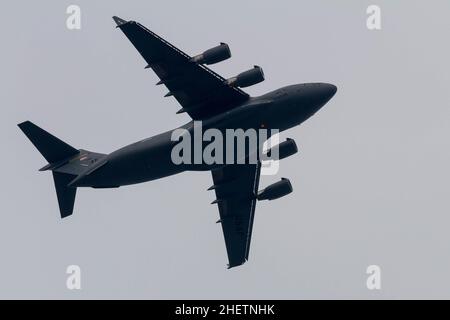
49,146
66,194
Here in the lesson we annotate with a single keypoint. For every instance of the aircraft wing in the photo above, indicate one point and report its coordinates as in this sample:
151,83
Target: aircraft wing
200,91
235,187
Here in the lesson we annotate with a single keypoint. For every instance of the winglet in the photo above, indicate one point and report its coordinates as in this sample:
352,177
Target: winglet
119,21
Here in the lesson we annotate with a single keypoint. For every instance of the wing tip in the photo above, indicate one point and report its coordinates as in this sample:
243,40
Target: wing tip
24,124
119,21
233,265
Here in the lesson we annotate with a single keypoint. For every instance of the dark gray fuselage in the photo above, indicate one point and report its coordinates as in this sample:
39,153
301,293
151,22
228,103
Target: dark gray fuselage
150,159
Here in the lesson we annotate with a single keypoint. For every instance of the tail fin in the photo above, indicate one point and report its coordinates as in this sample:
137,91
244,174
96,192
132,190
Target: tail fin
54,151
49,146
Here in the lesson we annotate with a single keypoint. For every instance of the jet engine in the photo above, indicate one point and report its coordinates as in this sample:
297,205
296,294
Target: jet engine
247,78
276,190
285,149
217,54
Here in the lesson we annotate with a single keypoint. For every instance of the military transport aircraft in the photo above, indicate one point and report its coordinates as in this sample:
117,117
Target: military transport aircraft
203,95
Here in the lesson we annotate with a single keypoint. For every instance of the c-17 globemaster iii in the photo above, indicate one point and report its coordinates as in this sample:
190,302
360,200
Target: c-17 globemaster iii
205,96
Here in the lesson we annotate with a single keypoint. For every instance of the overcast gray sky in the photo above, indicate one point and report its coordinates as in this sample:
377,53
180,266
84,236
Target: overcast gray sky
371,180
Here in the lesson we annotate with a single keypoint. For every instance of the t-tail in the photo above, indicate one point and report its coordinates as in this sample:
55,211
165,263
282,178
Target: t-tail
65,162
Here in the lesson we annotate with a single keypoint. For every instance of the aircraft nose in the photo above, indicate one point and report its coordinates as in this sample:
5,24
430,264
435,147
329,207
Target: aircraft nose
328,90
320,94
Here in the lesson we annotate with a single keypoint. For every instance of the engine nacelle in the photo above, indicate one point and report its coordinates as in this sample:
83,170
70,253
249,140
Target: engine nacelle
220,53
276,190
285,149
247,78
